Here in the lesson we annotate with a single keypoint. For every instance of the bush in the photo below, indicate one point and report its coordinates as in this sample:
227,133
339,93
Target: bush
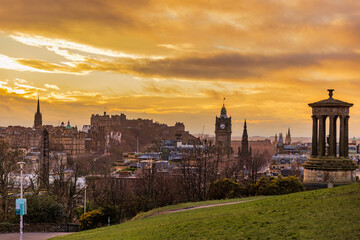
6,227
90,220
279,185
78,211
227,188
44,209
290,185
224,188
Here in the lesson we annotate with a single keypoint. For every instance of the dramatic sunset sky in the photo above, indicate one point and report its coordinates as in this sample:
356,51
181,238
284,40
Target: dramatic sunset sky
176,61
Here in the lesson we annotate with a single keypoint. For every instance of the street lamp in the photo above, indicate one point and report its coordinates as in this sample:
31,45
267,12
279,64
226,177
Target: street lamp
21,164
85,198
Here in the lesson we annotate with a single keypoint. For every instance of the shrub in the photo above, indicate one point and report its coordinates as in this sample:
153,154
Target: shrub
248,189
78,211
279,185
224,188
290,185
44,209
90,219
6,227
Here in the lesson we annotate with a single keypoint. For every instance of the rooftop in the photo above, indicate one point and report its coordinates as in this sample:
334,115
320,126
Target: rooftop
331,102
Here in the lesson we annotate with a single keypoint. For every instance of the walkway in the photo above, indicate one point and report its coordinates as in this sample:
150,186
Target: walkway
198,207
31,235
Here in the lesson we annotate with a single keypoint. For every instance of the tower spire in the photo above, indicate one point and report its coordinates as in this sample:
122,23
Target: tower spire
223,113
288,137
38,105
245,142
38,117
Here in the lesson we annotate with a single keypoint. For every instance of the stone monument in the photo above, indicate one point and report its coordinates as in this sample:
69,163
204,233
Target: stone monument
327,166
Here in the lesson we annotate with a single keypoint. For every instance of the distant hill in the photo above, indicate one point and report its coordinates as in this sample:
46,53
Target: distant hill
321,214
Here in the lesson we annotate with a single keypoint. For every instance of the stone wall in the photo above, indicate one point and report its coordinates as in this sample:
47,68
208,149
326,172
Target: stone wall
325,176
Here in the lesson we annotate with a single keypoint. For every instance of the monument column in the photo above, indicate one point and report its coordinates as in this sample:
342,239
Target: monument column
342,136
322,135
314,136
332,138
323,167
346,136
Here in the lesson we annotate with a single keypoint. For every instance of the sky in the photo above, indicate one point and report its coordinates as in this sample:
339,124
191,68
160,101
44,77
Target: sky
175,61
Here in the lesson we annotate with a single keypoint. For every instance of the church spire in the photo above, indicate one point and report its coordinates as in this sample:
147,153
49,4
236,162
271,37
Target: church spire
245,135
38,106
245,141
38,117
288,137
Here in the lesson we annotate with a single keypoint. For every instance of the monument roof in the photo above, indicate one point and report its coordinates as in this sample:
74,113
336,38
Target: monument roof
331,102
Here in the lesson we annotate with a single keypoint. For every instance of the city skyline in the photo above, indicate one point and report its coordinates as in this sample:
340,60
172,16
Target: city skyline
175,62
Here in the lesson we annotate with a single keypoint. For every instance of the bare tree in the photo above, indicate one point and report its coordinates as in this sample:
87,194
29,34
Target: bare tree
199,168
187,177
8,165
253,165
65,185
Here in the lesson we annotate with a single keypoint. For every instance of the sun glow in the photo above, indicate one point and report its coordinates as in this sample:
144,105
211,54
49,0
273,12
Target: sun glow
58,46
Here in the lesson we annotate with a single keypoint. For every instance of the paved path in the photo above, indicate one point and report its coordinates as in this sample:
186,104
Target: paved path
197,207
31,235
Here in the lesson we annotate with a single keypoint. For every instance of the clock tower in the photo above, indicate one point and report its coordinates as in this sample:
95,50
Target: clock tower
223,130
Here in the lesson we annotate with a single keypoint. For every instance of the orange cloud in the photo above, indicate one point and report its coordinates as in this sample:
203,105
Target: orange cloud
176,60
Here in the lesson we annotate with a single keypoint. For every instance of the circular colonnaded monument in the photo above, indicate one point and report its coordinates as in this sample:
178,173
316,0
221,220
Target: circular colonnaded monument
327,166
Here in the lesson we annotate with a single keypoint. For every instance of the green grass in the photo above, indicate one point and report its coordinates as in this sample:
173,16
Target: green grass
189,205
322,214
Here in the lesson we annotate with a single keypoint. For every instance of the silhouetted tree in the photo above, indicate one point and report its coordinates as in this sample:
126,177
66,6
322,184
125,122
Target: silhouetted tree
253,165
8,165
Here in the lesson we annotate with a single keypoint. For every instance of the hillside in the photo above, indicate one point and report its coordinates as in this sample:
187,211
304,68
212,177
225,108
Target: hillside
322,214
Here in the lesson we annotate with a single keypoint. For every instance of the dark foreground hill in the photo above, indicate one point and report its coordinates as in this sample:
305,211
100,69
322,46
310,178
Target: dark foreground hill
322,214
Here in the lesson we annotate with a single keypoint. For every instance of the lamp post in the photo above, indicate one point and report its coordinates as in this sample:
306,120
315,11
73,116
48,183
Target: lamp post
85,198
21,164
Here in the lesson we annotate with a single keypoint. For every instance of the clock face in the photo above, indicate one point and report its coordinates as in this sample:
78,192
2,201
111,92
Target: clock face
222,126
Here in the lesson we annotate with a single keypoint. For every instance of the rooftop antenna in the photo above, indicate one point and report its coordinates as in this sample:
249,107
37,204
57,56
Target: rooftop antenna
224,102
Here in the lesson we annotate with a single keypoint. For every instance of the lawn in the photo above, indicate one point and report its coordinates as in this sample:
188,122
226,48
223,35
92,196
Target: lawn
322,214
190,205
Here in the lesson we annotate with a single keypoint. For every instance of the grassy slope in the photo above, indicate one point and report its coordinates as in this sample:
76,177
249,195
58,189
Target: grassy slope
323,214
189,205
